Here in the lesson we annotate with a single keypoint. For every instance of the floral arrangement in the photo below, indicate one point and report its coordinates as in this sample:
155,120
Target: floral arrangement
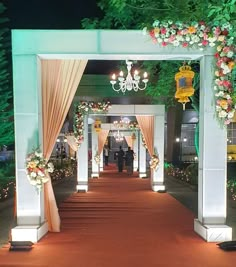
83,109
133,125
37,169
154,162
143,141
200,35
97,158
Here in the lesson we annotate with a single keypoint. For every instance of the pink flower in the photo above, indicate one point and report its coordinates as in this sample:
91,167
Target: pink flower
172,38
226,49
163,30
205,42
184,44
164,43
217,55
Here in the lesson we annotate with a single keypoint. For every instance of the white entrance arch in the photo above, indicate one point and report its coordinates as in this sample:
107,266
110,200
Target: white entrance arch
30,46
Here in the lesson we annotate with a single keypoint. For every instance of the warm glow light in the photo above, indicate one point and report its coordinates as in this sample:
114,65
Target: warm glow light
82,188
177,139
129,82
113,76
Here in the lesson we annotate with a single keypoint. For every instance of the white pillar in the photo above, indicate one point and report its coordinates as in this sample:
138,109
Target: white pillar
212,191
136,151
82,158
101,165
31,225
95,165
142,158
157,176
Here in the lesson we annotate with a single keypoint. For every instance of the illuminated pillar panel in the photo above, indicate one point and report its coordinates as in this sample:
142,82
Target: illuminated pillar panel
31,223
82,158
142,159
95,166
135,149
158,175
101,165
212,201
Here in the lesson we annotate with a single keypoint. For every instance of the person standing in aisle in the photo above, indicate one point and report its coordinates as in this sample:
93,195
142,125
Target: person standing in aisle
106,155
120,159
129,160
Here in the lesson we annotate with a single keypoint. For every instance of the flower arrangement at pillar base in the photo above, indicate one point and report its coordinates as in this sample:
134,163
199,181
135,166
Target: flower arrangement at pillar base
200,35
85,108
37,169
154,162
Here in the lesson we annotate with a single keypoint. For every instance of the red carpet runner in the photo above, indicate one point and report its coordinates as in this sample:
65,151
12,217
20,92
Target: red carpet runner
120,222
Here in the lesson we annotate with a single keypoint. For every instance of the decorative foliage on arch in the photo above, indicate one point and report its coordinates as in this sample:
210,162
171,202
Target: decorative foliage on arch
200,35
85,108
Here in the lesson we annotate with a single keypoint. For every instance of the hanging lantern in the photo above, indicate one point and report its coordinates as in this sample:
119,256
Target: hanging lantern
97,125
184,88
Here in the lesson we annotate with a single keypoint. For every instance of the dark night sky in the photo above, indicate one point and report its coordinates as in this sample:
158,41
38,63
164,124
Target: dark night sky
49,14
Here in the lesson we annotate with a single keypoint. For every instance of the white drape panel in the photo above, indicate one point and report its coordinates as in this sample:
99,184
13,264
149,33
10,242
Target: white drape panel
146,124
71,141
60,79
102,137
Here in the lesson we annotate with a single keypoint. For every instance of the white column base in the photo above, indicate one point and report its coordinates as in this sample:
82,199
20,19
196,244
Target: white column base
82,187
158,187
95,175
31,233
142,175
213,232
101,169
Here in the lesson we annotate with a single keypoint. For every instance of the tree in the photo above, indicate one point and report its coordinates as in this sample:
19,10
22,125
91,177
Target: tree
6,106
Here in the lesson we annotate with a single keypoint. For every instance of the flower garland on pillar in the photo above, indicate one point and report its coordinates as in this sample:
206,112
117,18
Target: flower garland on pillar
85,108
201,35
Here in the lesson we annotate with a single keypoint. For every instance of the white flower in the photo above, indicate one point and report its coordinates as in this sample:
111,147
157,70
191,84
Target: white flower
231,114
176,43
144,31
222,114
33,174
156,23
38,154
230,54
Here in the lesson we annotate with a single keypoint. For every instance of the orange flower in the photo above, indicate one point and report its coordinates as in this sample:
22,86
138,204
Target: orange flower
231,65
156,30
32,164
191,29
223,103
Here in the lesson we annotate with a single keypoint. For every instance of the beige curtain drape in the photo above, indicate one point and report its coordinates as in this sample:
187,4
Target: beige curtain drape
102,137
60,79
129,141
71,141
146,124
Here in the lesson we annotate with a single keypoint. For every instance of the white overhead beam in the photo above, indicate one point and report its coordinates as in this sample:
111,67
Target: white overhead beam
97,44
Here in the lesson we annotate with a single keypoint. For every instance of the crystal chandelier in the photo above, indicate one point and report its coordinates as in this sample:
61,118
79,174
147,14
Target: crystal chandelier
119,137
129,83
122,124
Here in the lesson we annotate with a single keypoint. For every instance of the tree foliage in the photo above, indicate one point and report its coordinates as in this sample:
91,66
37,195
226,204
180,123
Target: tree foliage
135,14
6,106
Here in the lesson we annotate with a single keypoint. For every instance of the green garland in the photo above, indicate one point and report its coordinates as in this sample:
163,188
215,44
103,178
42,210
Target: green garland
85,108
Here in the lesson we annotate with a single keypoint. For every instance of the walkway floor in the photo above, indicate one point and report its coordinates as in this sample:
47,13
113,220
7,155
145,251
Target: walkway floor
121,222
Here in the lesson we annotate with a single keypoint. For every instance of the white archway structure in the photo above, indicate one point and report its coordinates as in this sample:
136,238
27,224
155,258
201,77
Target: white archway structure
30,46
